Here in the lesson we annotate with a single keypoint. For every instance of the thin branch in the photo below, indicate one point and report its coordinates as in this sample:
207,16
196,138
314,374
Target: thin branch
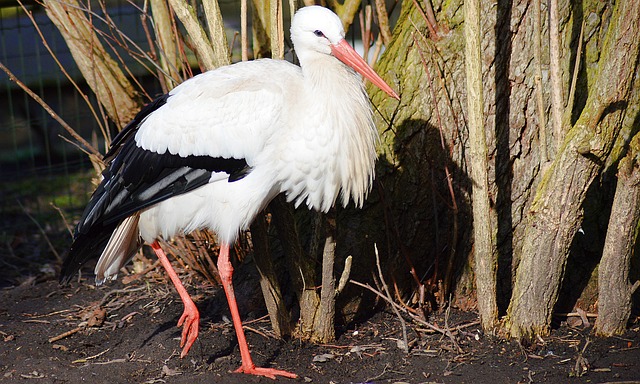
557,103
430,24
64,218
217,34
366,19
244,38
277,30
42,231
537,54
346,11
62,68
383,21
344,277
485,259
202,45
413,317
574,79
405,345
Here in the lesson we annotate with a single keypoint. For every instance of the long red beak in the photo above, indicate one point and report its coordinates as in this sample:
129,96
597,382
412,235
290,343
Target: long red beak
349,56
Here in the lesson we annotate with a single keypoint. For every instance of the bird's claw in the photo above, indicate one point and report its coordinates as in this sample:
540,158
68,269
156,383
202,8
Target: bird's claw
190,321
267,372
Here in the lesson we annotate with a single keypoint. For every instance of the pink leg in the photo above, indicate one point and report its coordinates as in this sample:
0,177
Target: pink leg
226,273
190,316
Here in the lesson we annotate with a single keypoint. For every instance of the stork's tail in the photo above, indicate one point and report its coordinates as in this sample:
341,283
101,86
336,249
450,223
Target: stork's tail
116,244
122,246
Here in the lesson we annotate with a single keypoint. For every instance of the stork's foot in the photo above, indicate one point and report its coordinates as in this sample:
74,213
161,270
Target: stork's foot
190,321
267,372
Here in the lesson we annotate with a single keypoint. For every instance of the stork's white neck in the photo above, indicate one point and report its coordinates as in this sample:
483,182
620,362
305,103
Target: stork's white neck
340,135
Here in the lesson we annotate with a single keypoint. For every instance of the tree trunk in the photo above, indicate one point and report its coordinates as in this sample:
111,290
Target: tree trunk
484,252
614,288
301,266
423,186
556,212
324,330
273,299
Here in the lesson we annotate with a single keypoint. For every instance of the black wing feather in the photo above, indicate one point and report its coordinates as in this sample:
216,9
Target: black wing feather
137,179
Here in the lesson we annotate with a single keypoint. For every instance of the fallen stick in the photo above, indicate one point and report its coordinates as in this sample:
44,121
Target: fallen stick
65,334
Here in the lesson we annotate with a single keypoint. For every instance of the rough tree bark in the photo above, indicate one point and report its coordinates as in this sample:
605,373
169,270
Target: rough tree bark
614,286
420,227
301,265
484,251
556,212
271,291
324,326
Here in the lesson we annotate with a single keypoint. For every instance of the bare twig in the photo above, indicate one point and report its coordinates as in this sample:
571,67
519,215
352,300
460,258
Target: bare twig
366,19
64,218
217,33
557,103
44,234
117,292
414,318
129,278
257,331
324,326
582,364
61,67
50,111
102,73
635,287
574,79
446,327
344,277
383,21
187,15
429,18
35,316
84,360
66,334
537,54
405,345
277,30
244,38
485,255
162,23
345,11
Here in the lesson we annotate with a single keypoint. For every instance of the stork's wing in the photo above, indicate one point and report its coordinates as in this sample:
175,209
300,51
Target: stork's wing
137,179
231,112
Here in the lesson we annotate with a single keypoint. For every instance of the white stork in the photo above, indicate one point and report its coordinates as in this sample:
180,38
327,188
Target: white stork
214,151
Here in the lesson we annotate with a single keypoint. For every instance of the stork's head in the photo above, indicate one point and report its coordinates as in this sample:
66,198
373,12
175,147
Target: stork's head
317,30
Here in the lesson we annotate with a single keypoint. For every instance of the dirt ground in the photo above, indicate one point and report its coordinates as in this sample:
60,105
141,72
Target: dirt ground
135,340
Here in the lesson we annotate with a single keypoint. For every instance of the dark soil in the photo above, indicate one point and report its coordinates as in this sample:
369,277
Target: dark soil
137,341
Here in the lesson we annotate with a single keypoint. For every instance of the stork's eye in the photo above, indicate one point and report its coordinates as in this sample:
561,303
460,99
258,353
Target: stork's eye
318,33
